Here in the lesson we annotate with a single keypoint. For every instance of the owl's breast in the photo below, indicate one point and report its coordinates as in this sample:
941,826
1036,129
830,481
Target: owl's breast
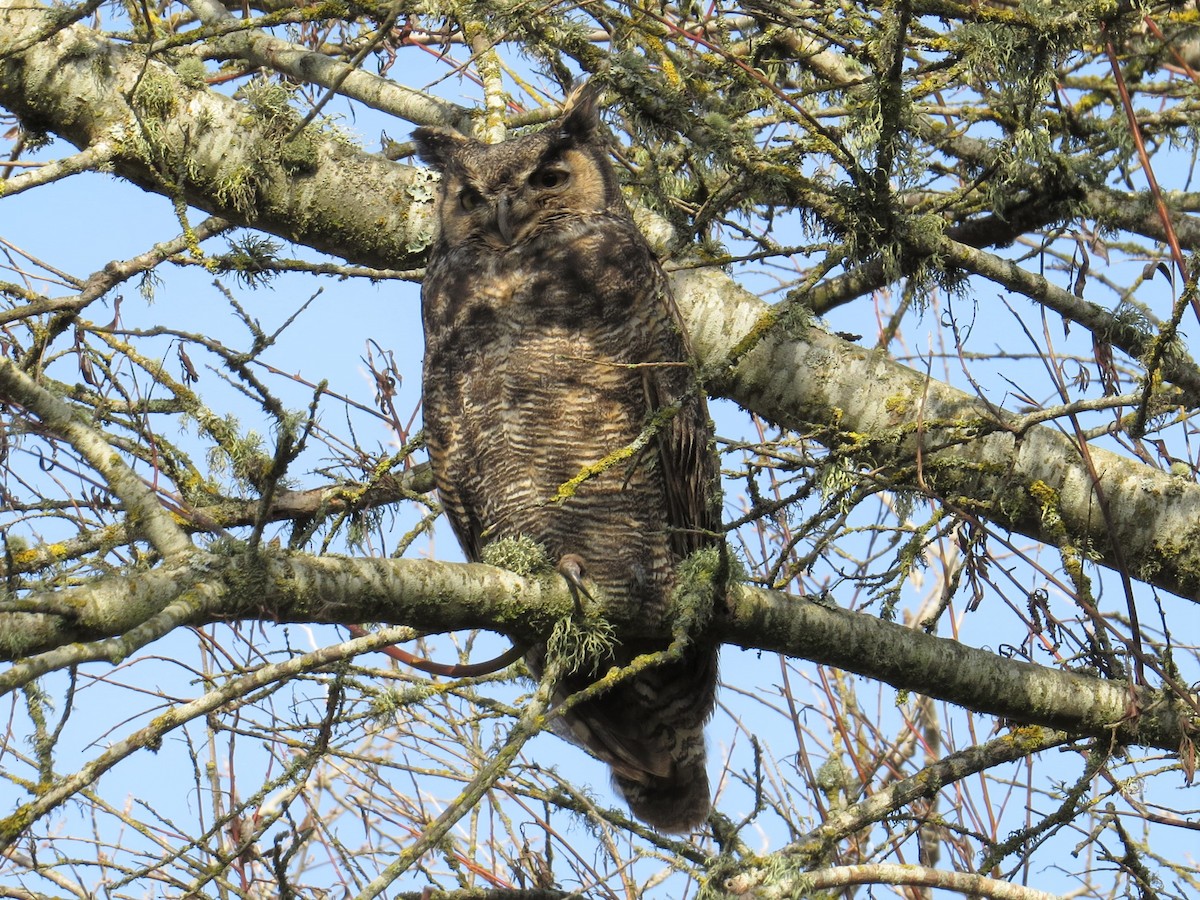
545,363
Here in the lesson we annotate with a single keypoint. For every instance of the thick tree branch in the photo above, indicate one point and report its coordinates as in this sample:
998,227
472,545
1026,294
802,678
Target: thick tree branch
432,596
756,882
259,48
925,434
170,134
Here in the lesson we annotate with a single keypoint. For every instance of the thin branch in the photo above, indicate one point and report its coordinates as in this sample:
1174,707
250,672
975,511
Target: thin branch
145,514
152,734
530,723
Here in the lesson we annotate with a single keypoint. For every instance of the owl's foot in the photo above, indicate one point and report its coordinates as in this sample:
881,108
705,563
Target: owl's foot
570,566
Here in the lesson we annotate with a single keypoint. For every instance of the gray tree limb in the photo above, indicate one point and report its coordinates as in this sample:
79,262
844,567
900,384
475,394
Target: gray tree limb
167,132
432,596
924,434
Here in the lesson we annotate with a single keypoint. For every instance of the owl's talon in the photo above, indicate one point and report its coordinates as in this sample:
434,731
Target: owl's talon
570,567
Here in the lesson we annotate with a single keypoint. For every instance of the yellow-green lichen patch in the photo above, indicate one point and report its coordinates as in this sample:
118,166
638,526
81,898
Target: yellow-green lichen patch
13,826
898,405
581,645
237,187
567,489
156,94
1048,503
699,580
521,555
761,327
299,155
192,72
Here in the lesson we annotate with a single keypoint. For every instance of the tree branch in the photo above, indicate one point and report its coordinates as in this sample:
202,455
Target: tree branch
921,433
146,515
173,136
754,883
433,596
151,735
884,801
258,48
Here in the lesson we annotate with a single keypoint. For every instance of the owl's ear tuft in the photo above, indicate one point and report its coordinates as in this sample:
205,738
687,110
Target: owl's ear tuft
581,113
439,147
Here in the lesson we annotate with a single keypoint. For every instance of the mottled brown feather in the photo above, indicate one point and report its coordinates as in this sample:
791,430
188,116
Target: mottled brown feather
552,340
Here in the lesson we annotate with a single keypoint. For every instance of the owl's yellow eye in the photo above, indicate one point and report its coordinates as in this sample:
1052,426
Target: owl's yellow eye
469,199
549,178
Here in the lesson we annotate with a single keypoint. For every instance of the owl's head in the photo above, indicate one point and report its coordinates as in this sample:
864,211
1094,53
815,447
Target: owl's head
501,194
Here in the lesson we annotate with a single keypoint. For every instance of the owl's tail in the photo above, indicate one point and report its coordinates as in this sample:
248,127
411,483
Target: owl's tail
677,802
670,792
650,730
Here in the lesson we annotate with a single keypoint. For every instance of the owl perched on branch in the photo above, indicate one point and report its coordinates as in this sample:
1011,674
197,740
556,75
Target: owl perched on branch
560,404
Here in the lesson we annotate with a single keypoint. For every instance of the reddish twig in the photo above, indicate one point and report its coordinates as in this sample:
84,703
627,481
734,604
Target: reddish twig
456,670
1157,32
1135,129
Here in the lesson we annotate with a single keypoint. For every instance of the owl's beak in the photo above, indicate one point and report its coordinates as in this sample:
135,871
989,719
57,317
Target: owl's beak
503,223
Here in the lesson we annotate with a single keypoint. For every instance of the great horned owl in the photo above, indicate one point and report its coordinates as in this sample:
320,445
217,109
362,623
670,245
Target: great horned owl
551,342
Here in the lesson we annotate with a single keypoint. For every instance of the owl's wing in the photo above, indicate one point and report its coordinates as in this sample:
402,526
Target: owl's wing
447,396
686,457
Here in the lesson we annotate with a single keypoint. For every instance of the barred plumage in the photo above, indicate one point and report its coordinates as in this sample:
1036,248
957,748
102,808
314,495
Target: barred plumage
552,339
